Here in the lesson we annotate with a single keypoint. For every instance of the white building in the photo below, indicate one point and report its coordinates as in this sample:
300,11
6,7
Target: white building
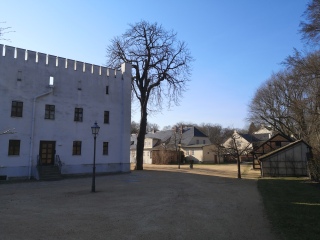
52,102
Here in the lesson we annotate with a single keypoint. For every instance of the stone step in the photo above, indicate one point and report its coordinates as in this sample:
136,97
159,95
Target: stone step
47,173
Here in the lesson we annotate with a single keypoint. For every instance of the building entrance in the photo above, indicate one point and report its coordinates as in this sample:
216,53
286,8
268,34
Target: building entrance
47,152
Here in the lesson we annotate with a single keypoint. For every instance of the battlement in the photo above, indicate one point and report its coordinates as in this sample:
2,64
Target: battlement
24,56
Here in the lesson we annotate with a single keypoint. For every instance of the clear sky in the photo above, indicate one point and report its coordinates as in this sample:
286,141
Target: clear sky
237,44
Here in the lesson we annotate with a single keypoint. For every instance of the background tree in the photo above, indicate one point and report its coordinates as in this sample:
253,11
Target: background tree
161,69
290,100
310,29
3,31
134,127
252,128
152,127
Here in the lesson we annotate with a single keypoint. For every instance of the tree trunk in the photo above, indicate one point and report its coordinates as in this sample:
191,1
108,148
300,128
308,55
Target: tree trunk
140,139
238,163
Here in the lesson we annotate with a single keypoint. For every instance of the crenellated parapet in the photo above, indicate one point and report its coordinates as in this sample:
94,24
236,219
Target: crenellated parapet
28,57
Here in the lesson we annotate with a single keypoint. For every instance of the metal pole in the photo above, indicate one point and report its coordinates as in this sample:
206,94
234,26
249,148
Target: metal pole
93,188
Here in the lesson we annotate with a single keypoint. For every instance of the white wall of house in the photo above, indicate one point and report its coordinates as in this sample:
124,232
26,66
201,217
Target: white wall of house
211,154
25,76
193,153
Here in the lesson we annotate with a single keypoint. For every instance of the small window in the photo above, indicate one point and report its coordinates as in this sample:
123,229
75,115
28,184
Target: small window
14,147
107,90
105,148
106,117
78,114
192,152
76,149
187,152
19,77
49,111
51,81
204,141
16,109
278,143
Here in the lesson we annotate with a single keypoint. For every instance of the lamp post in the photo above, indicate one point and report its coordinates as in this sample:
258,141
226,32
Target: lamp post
95,130
179,145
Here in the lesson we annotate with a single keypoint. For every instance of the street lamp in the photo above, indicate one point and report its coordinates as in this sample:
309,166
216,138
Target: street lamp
95,130
179,145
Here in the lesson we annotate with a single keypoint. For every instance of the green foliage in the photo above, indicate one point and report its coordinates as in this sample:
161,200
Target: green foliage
293,207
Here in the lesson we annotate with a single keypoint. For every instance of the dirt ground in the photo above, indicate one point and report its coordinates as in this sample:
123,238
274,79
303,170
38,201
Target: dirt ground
161,202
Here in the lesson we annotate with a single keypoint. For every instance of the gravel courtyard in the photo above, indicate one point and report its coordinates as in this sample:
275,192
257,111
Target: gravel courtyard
161,202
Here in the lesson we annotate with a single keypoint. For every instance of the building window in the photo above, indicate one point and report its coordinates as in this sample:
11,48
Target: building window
78,114
105,148
204,141
51,81
107,90
187,152
76,149
50,111
192,152
14,147
278,143
19,77
16,109
106,117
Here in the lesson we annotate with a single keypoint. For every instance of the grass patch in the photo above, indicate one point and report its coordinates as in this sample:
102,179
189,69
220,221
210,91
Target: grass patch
292,206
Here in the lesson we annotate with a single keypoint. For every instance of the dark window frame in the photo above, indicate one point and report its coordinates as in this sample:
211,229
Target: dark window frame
78,114
105,150
76,148
16,109
14,147
50,111
106,117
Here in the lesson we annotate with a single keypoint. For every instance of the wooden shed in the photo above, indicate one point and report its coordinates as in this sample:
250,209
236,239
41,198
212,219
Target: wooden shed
290,160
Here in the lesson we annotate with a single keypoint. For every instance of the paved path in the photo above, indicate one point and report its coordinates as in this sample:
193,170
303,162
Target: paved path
160,202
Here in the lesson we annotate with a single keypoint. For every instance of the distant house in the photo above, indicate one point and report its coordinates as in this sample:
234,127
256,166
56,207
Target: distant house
163,147
264,133
289,160
243,142
275,142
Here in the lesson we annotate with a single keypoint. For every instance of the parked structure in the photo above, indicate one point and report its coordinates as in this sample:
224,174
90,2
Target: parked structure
289,160
52,102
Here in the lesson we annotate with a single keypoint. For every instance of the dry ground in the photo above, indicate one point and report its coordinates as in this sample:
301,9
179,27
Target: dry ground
161,202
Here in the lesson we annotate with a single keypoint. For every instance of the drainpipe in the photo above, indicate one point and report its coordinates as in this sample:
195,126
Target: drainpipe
32,128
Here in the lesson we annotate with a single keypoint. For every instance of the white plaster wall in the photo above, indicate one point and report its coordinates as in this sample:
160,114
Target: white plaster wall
65,96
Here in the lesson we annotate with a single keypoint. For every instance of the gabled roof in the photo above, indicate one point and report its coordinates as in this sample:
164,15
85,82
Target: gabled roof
283,148
249,137
169,138
190,132
161,135
274,136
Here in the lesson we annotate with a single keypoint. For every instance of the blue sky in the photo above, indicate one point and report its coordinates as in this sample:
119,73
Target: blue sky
237,44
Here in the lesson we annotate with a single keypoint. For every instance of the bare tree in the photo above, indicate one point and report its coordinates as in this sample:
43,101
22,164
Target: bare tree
3,31
311,28
134,127
290,100
161,69
236,148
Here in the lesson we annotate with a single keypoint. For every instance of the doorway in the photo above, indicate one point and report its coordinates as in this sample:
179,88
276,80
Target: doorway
47,152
